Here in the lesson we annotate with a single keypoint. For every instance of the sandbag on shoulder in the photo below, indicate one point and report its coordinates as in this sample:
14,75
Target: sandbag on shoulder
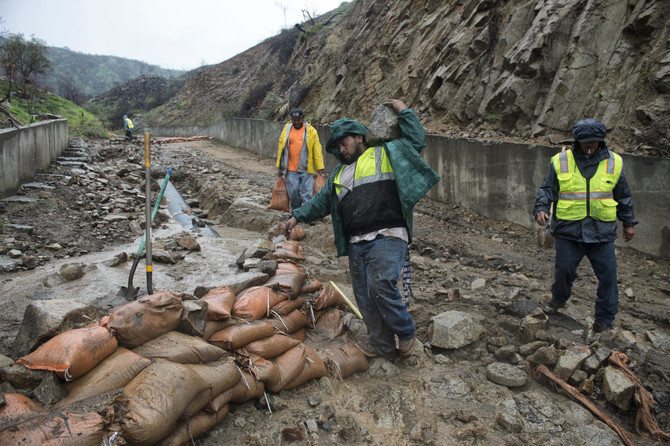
146,318
179,347
114,372
57,428
152,402
72,353
220,303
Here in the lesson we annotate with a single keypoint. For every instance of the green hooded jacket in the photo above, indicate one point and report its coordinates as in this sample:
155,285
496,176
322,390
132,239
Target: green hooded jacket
414,178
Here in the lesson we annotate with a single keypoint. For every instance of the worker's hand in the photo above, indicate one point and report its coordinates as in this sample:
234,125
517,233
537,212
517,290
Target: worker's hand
397,104
628,233
279,173
541,218
288,226
321,172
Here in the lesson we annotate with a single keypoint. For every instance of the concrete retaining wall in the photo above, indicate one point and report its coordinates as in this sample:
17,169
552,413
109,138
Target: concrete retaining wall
30,148
497,180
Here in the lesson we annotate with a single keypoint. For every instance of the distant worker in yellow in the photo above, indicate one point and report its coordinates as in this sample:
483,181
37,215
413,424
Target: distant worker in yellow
128,127
299,156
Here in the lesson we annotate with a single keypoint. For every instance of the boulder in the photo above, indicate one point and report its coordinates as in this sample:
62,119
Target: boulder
383,126
455,329
617,388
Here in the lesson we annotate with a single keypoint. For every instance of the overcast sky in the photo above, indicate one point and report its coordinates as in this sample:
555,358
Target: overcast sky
173,34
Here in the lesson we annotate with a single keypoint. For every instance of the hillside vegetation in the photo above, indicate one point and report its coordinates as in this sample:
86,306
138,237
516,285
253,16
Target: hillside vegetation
40,105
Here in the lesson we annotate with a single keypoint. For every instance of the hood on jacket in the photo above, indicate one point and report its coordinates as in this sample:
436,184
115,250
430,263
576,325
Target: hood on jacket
588,130
125,116
343,127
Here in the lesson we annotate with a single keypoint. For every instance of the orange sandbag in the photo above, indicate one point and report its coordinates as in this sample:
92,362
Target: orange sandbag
144,319
179,347
256,302
287,283
270,347
280,371
220,302
220,375
114,372
285,307
311,286
279,200
151,403
345,361
212,327
72,353
237,336
292,322
330,323
288,250
247,388
314,368
56,428
195,426
17,408
329,298
289,266
319,182
297,233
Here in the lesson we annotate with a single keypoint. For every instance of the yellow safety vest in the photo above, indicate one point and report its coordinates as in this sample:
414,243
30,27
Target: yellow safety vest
371,166
129,123
578,198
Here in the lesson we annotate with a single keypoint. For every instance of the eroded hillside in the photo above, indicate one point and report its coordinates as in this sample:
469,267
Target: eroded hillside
509,69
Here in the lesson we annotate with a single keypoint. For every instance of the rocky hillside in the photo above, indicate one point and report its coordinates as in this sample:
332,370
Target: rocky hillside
509,69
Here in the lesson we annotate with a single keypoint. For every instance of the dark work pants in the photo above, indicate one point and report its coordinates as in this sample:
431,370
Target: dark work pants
601,255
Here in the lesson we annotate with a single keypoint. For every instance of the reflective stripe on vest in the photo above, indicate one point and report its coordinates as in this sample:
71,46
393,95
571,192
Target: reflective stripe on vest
371,166
576,198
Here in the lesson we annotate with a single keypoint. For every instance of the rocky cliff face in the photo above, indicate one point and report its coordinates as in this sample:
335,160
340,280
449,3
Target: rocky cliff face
491,69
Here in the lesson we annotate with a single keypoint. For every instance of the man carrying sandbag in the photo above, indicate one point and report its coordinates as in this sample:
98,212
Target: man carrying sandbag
370,196
299,156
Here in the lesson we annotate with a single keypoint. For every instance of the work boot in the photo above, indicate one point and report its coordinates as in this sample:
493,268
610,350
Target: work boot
406,346
552,307
366,348
599,326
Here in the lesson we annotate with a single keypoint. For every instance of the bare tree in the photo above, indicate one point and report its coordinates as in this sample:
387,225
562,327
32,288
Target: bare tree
284,8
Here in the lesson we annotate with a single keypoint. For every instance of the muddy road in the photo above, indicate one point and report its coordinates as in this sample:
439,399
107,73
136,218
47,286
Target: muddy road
492,271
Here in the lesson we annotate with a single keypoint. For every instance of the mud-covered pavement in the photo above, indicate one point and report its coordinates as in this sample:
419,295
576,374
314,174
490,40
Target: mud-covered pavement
493,271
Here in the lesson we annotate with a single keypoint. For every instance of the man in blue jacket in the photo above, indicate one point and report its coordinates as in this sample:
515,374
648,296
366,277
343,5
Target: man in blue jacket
370,197
590,191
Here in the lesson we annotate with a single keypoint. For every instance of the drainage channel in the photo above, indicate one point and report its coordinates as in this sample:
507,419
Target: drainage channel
179,209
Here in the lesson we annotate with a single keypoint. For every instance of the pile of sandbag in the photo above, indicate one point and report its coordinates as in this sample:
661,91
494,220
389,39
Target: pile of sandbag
171,386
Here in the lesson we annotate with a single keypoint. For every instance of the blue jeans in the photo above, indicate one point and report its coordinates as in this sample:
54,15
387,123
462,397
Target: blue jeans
601,255
375,268
300,187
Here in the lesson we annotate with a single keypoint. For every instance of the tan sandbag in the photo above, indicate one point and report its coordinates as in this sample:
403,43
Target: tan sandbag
330,323
292,322
345,361
152,402
237,336
314,368
311,286
212,327
114,372
72,353
57,428
285,307
264,370
289,266
319,182
247,388
179,347
17,408
279,200
220,375
287,283
256,302
329,298
297,233
145,318
270,347
220,303
195,426
289,250
299,335
290,365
